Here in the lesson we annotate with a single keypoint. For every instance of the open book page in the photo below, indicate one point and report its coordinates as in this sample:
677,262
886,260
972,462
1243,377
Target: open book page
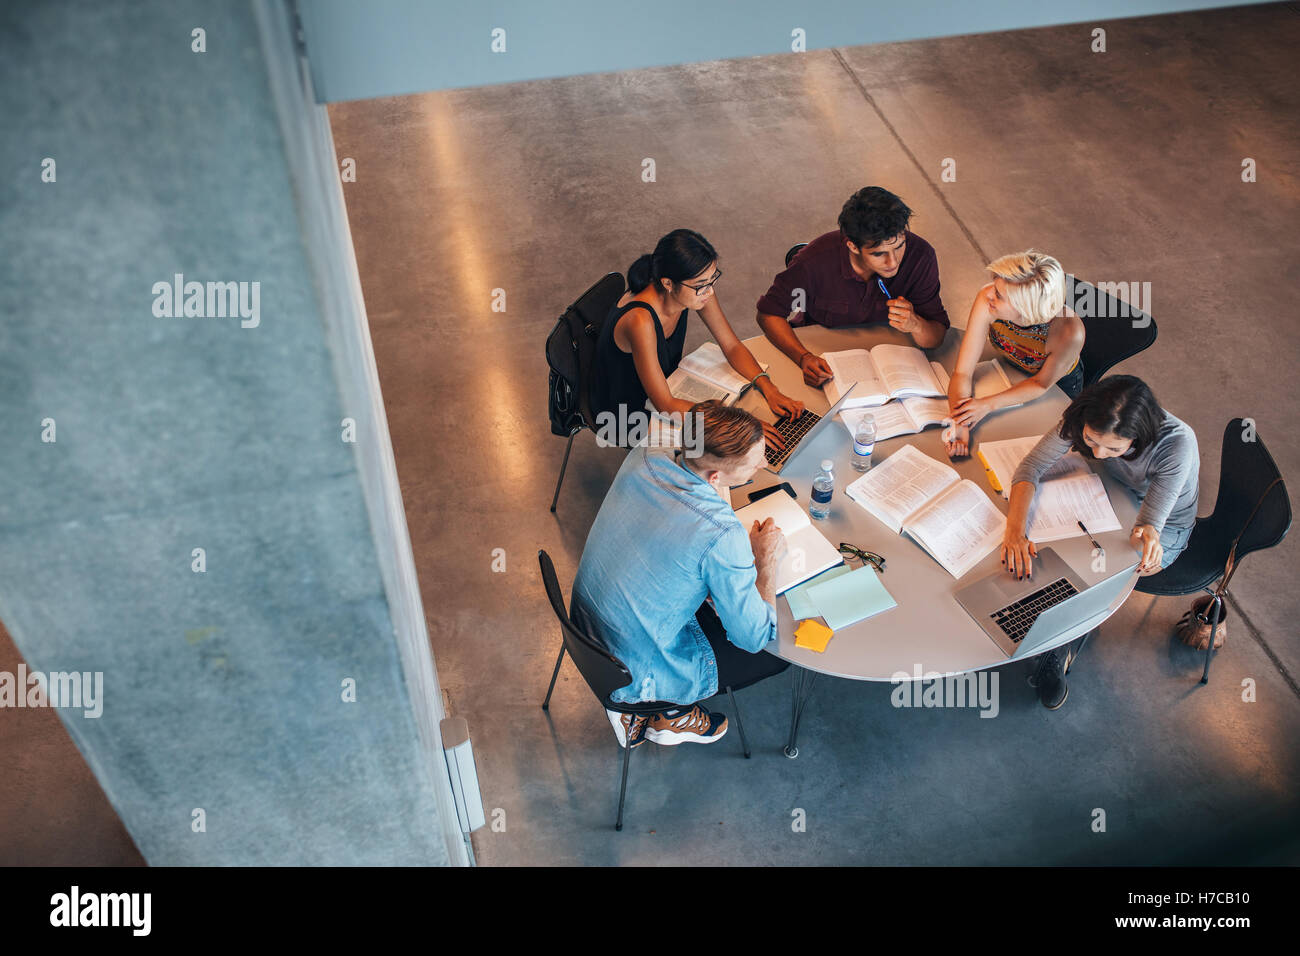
989,378
1062,503
1003,457
892,420
688,388
958,528
926,411
905,370
808,552
854,365
901,485
709,363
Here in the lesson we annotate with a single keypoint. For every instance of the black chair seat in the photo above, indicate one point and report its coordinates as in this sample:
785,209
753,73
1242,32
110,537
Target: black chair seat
1199,566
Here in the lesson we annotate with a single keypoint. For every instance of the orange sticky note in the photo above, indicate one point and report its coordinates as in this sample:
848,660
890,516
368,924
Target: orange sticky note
813,635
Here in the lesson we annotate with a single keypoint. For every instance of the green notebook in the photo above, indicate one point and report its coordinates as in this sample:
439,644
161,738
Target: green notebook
801,605
849,597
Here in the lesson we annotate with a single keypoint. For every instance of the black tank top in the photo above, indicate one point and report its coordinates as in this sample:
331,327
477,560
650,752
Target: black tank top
614,380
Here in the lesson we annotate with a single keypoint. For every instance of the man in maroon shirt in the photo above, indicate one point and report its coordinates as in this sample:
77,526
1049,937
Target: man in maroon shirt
836,281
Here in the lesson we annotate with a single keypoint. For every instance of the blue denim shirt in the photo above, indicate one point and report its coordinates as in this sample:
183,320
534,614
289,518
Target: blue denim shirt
663,541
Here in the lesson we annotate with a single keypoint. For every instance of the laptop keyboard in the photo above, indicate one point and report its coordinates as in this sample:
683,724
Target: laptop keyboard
1016,619
792,431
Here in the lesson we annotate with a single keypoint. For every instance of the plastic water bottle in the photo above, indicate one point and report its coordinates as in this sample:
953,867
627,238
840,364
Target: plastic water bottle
864,443
822,489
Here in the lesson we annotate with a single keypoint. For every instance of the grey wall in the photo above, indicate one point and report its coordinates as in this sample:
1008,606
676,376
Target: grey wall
222,689
387,47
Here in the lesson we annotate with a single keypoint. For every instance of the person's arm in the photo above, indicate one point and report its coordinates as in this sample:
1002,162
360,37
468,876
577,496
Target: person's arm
1171,463
742,360
636,329
791,288
744,599
920,312
961,383
1063,345
1017,550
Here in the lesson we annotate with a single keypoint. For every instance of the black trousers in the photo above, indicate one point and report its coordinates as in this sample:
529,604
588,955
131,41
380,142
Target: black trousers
736,668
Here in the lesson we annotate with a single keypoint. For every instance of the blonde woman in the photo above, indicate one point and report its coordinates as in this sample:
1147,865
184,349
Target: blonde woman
1023,313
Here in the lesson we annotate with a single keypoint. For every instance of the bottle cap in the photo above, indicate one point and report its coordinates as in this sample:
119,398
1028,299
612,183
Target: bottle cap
827,465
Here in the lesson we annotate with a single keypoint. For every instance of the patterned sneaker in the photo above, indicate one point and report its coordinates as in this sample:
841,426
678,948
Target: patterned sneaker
628,726
681,725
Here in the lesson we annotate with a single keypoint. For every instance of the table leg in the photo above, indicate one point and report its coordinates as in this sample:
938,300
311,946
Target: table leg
803,681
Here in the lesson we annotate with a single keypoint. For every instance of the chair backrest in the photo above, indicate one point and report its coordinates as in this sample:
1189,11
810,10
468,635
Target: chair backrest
1246,469
570,350
1114,329
794,251
603,672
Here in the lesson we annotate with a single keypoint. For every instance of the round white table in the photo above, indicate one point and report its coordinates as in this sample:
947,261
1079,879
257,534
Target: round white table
928,634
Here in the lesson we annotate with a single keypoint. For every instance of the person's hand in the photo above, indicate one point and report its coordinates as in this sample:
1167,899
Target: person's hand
773,436
902,316
1146,539
768,542
971,411
782,405
1018,552
959,445
815,370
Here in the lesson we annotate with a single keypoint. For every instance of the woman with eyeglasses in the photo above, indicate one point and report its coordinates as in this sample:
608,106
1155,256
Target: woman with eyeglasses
641,342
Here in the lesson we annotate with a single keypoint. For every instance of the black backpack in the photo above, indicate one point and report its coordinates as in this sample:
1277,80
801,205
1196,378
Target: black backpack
570,349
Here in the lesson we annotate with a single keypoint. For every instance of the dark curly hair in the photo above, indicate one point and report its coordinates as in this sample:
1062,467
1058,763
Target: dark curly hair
1121,405
873,215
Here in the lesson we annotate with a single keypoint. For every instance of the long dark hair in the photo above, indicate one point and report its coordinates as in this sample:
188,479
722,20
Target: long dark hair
1118,404
680,255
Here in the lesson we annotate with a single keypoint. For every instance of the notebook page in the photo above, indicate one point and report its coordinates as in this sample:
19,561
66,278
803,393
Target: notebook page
1003,457
1060,504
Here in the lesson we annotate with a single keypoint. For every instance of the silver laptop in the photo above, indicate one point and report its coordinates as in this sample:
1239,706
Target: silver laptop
1024,616
797,431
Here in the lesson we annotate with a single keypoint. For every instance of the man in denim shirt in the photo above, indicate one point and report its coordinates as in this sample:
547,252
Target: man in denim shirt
665,539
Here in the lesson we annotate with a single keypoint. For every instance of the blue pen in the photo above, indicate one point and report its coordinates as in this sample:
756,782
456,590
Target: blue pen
881,282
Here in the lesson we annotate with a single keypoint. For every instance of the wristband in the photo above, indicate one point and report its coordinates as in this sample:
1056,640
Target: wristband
754,381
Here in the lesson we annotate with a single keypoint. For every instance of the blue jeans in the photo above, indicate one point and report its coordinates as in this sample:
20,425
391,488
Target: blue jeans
1174,542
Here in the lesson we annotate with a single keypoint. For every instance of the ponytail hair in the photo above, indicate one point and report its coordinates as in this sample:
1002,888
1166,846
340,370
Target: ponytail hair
680,255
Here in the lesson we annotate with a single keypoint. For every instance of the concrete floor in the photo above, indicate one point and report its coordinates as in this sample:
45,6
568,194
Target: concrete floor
1125,165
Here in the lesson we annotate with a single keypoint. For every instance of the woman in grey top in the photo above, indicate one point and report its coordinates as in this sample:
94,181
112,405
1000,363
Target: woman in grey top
1117,420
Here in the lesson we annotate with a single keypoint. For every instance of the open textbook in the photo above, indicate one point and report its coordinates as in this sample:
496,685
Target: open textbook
1068,492
907,416
705,374
882,373
808,551
950,517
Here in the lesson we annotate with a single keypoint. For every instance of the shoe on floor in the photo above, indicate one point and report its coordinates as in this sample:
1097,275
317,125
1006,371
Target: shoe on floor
1050,678
693,725
628,726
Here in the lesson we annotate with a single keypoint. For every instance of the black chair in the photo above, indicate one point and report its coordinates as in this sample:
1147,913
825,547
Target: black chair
603,673
1113,330
570,351
794,251
1252,512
